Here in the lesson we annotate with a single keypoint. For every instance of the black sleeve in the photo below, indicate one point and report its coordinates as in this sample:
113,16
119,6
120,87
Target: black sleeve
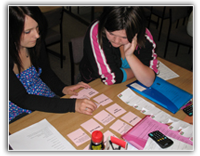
47,75
145,54
148,56
19,96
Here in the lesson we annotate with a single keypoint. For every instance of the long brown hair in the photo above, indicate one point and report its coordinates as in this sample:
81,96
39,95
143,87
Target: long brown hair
117,18
16,27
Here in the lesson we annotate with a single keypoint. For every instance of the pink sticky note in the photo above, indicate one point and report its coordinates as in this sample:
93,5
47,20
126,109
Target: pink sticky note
120,127
85,93
116,110
103,99
78,137
91,125
131,118
104,117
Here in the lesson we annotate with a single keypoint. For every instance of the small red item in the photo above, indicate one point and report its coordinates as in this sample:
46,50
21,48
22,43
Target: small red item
97,136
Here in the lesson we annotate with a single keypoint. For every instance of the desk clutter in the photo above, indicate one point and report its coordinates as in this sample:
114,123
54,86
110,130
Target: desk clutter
133,130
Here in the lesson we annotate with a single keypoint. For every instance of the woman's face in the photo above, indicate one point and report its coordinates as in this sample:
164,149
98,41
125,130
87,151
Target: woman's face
30,34
117,38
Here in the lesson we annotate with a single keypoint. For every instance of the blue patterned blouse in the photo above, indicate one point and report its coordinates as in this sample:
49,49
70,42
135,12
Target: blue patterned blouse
31,81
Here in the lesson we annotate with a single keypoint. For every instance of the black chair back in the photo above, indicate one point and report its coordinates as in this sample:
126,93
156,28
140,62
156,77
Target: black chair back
54,17
76,54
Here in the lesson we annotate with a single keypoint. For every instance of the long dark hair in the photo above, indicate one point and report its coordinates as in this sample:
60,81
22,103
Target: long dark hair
16,27
117,18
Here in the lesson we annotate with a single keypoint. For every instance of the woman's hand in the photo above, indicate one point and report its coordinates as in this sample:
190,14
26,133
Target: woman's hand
70,90
85,106
130,47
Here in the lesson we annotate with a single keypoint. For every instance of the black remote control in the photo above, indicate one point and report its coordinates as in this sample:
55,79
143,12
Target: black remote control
162,140
188,110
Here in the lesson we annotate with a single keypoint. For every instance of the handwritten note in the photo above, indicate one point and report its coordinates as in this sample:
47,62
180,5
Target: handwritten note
78,137
120,127
103,99
116,110
91,125
131,118
104,117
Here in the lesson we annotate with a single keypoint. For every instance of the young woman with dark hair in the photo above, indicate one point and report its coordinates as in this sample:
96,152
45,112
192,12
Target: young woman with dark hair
118,47
32,83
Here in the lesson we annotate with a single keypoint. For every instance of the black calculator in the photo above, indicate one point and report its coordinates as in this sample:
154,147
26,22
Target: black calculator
188,110
162,140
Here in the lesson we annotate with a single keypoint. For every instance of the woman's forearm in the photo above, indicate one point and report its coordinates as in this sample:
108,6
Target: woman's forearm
143,73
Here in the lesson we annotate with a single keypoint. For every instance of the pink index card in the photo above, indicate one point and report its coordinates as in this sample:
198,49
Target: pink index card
78,137
85,93
116,110
131,118
91,125
120,127
103,99
104,117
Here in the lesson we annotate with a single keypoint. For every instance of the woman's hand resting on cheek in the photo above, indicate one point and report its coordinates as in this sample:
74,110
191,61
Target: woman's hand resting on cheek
130,47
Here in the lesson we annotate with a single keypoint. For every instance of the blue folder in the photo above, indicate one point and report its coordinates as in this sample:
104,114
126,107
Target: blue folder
163,93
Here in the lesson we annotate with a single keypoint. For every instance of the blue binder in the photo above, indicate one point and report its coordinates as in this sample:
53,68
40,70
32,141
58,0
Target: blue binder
163,93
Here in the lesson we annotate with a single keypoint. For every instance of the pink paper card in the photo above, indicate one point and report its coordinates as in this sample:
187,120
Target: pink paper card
116,110
131,118
104,117
103,99
120,127
85,93
78,137
91,125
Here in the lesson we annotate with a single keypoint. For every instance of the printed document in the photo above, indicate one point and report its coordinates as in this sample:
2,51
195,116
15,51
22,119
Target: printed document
41,136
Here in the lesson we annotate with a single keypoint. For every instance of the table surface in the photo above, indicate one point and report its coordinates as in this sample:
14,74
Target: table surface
64,123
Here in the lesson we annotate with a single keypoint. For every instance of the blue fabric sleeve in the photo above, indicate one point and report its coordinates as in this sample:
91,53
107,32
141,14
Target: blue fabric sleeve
124,75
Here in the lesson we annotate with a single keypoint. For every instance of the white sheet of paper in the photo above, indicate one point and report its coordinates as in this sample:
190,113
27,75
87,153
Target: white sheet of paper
165,72
41,136
138,87
187,132
131,148
177,146
126,95
162,117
